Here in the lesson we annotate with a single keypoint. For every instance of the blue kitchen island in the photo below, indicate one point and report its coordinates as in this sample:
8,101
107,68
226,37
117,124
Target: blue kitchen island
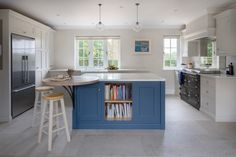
120,101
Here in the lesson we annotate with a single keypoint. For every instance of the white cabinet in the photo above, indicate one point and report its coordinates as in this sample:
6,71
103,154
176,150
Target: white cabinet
21,27
44,53
208,96
43,35
218,97
193,48
226,33
51,50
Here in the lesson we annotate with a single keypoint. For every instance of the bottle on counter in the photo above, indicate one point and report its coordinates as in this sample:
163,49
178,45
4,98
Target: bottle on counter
230,70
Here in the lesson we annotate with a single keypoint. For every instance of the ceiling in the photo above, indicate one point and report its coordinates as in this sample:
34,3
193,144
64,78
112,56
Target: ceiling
115,13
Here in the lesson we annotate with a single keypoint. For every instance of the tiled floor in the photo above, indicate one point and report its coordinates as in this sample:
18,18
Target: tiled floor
189,133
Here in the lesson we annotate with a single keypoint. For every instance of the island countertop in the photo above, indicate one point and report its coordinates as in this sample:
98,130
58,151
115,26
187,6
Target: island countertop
124,76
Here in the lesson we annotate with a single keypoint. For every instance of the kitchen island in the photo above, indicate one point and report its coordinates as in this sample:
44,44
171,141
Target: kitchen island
120,101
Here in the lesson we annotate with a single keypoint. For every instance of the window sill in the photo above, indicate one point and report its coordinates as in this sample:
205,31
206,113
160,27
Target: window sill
171,69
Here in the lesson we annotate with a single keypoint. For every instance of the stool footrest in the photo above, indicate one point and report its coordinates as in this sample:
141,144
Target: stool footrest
56,115
45,132
58,129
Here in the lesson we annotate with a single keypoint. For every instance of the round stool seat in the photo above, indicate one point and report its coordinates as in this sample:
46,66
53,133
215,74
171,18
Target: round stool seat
44,88
54,96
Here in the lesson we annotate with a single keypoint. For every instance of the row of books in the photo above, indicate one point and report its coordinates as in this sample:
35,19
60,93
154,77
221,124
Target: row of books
118,111
118,92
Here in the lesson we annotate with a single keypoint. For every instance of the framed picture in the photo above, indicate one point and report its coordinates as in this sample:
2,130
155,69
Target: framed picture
142,46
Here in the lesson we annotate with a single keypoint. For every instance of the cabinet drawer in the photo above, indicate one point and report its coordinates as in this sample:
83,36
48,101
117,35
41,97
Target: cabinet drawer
208,105
207,82
209,91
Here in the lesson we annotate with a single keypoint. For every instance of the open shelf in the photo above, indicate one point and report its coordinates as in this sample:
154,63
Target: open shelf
118,119
118,101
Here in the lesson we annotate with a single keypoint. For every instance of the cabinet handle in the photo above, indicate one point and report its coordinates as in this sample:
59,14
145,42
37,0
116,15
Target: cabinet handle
207,91
99,89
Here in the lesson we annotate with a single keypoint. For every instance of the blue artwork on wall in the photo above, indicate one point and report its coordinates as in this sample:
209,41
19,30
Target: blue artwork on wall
142,46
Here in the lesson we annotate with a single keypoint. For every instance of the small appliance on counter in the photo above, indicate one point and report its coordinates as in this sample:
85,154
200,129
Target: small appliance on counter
230,70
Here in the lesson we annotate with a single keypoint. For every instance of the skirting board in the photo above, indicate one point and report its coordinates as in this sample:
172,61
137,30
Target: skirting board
170,91
4,119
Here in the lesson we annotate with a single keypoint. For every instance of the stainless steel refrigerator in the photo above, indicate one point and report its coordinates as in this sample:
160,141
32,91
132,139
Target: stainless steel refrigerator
23,74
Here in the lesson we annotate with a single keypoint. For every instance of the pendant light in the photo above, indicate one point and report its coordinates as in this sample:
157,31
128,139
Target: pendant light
100,25
137,27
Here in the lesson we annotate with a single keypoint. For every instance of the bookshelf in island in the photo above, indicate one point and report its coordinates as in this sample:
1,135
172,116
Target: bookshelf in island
116,104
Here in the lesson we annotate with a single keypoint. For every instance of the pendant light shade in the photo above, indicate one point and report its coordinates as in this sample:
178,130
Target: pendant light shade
137,27
100,26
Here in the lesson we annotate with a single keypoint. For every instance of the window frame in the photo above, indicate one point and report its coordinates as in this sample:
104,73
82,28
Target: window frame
177,55
91,52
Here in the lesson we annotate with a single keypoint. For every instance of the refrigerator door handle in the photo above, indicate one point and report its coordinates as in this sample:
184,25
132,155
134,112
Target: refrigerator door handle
27,69
21,89
23,68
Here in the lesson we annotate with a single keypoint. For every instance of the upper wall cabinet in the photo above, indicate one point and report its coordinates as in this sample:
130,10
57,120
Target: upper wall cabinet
18,26
226,33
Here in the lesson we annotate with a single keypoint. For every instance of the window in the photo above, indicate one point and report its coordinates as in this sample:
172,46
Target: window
171,52
97,53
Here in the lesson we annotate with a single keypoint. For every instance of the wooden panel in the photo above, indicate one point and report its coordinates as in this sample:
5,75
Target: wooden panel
148,107
147,99
88,98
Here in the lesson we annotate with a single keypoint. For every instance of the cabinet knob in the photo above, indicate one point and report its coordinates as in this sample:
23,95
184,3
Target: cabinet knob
99,89
207,91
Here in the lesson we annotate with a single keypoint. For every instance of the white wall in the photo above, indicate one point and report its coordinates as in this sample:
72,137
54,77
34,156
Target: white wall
64,50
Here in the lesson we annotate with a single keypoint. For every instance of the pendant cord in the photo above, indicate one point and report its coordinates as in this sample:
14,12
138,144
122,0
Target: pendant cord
137,4
100,12
137,13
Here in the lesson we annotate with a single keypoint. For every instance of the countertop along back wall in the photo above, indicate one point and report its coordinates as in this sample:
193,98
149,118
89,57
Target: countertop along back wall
64,50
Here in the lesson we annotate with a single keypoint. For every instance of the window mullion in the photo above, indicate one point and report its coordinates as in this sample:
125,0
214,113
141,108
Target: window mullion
91,53
170,51
105,57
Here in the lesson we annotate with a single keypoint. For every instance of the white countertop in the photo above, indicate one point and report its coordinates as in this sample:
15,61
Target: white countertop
219,76
103,71
124,76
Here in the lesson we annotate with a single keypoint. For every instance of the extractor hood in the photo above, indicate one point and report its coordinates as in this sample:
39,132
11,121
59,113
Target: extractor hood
204,26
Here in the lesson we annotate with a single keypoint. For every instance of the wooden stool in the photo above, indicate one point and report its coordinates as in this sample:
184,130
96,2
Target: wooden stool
40,92
53,99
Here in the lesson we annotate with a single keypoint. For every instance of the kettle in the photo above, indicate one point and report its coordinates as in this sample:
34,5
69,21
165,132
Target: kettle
230,70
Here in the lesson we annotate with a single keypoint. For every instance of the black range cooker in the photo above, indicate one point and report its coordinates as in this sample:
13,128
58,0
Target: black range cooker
189,80
190,88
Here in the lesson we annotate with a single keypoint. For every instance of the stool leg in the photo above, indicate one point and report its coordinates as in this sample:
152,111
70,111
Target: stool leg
57,118
42,120
65,119
35,108
50,126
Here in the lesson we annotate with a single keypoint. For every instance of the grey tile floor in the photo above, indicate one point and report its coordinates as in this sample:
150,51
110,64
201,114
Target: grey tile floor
189,133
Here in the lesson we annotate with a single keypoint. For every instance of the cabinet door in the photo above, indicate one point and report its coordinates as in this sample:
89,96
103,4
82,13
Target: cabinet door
223,34
51,50
38,77
88,98
193,48
21,27
148,102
